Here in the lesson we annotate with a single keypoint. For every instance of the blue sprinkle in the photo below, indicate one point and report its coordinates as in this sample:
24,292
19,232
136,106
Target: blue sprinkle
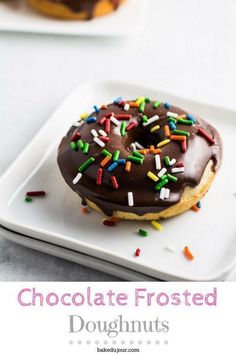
172,126
113,166
167,105
91,120
199,204
192,118
96,108
118,99
121,161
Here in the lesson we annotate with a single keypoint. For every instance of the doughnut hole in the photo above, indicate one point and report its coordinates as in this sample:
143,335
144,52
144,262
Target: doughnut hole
144,137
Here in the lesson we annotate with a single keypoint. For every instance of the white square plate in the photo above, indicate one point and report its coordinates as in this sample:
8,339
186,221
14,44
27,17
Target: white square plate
57,219
17,16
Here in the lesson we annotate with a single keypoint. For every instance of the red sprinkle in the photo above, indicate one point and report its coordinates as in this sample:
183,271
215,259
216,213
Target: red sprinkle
108,222
184,145
108,115
99,177
114,182
76,136
36,194
206,136
123,116
131,126
107,126
105,139
137,252
179,164
84,210
102,120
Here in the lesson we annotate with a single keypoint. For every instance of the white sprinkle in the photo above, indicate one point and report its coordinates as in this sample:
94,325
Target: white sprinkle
76,124
126,107
177,169
133,147
102,132
139,146
162,193
172,162
169,249
77,178
114,121
130,199
162,172
158,162
99,142
94,133
171,114
151,120
167,193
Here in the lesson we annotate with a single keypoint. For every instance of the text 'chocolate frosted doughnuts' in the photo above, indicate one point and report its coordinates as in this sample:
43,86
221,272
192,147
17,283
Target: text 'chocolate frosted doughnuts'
137,156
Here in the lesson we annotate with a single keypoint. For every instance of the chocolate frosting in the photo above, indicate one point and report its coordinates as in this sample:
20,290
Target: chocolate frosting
146,199
86,6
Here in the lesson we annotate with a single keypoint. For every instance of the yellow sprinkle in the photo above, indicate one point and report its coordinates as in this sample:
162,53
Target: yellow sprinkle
152,176
84,115
140,100
163,142
182,116
153,129
156,225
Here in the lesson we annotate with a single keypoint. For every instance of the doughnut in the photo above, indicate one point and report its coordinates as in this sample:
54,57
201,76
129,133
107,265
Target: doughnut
140,159
75,9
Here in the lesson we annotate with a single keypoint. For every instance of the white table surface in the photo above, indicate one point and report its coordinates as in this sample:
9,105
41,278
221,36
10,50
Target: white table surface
187,48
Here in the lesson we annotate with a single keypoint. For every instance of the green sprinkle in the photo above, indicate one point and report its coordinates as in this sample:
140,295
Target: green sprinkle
143,232
86,148
171,177
137,154
106,153
163,177
80,144
28,199
142,106
180,132
161,184
73,146
156,104
144,118
122,129
135,159
86,164
173,120
167,161
116,155
185,121
147,100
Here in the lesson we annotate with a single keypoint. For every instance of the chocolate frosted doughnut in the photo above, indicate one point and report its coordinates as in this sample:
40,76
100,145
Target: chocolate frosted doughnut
75,9
140,159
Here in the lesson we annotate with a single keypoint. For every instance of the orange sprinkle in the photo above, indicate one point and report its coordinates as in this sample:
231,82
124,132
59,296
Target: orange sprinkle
128,166
182,116
105,161
144,152
152,147
178,137
195,208
84,210
133,104
167,131
104,106
188,254
156,151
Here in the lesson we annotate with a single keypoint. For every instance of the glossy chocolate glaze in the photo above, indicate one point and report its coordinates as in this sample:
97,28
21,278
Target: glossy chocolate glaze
86,6
146,198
